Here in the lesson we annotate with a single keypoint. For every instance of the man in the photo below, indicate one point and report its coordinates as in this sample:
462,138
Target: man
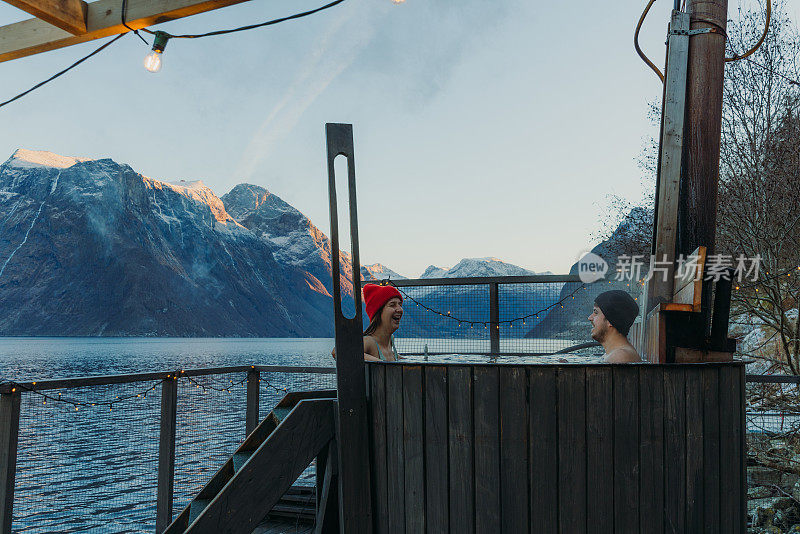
612,316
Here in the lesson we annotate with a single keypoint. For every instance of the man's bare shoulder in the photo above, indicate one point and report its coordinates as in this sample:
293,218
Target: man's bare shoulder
623,355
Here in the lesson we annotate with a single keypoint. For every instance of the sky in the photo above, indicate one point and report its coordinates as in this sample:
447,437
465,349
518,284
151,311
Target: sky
481,128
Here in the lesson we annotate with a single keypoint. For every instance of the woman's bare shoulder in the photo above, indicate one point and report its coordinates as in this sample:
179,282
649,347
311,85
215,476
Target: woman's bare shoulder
369,341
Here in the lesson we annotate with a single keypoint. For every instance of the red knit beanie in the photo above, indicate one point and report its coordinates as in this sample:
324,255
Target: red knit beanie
376,296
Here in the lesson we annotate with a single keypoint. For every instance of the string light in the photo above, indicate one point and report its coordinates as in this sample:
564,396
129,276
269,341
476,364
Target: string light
485,324
153,61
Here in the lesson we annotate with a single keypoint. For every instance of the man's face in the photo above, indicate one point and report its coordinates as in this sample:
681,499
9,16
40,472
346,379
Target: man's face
600,324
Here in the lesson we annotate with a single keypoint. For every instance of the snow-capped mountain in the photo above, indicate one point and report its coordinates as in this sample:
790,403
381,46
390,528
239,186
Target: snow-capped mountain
475,267
292,236
90,247
378,271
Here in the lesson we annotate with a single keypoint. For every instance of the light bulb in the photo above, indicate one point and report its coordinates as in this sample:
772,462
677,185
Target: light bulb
153,61
398,2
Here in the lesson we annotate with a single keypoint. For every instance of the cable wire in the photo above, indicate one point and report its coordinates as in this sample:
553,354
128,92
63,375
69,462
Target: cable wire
122,17
252,26
54,76
636,42
736,56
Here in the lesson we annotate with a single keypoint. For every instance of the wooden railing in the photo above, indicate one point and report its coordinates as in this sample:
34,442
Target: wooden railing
10,401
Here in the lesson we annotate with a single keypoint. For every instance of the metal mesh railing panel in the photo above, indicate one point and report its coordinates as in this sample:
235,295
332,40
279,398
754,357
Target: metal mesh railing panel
444,320
271,392
94,469
210,426
524,306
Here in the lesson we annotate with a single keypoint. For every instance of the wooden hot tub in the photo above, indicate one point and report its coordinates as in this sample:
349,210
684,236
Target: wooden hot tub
557,448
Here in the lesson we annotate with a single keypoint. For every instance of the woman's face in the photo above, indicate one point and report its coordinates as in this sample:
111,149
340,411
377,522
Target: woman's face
392,312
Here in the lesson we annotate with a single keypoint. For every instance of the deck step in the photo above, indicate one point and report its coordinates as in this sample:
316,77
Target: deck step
239,458
299,501
281,412
196,508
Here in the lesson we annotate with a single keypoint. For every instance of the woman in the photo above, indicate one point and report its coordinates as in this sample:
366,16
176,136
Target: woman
384,306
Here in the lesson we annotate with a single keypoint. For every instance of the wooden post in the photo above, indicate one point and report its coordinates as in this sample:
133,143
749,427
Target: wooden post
494,319
352,436
166,453
660,286
251,417
697,210
9,433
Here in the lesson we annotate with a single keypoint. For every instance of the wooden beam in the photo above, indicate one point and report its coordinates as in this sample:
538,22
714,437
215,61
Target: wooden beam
103,18
69,15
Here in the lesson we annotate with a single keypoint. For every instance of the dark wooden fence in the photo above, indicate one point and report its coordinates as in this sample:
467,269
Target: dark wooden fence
547,448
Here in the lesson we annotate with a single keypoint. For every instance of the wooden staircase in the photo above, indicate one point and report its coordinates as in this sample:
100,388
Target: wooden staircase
257,478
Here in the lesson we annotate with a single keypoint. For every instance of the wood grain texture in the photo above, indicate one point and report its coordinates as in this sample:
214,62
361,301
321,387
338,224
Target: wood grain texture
626,448
436,447
166,453
514,449
732,497
380,499
413,449
711,464
486,381
572,449
544,447
69,15
651,448
462,505
674,449
395,460
695,490
599,449
9,435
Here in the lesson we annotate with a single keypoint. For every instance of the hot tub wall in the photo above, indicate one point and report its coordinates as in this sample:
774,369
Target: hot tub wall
598,448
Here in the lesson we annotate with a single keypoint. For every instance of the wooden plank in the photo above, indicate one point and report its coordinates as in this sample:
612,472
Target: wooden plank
327,514
436,444
651,448
166,453
459,385
655,341
253,394
9,435
660,288
684,355
694,450
69,15
626,449
674,449
246,500
689,288
599,448
413,448
572,449
673,306
514,449
62,383
687,299
103,18
711,473
394,449
731,457
486,381
544,446
380,499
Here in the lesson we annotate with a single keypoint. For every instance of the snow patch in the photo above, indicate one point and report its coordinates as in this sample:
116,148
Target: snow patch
24,158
